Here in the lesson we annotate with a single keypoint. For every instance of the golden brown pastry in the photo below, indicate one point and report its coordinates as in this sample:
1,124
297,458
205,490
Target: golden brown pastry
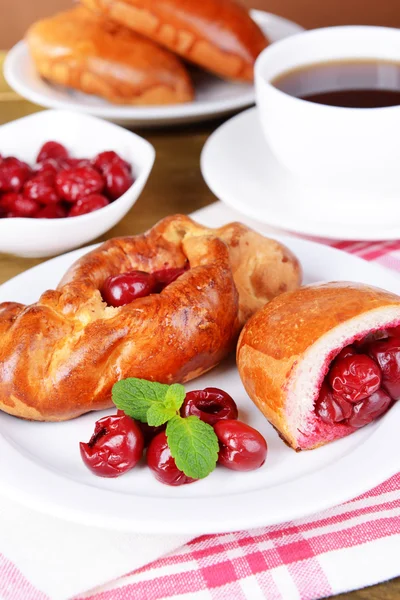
218,35
311,362
60,357
84,51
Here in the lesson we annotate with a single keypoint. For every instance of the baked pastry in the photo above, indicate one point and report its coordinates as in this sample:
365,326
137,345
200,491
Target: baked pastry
60,357
322,361
218,35
84,51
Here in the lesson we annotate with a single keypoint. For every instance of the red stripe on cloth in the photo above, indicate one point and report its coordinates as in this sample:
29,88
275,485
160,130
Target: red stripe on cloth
230,591
390,485
219,573
268,586
350,246
14,586
310,579
158,588
334,519
390,262
379,250
354,536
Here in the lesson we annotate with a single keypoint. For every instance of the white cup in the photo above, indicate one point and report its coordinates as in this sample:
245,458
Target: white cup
339,145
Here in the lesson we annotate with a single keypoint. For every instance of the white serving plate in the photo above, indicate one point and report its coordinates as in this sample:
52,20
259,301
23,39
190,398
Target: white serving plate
40,463
83,136
240,168
214,96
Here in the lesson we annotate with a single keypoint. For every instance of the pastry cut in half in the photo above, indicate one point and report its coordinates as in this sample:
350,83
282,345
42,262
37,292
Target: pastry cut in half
322,361
60,356
218,35
84,51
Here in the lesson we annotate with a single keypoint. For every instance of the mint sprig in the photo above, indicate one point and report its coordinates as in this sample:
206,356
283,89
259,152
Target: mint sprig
193,443
135,396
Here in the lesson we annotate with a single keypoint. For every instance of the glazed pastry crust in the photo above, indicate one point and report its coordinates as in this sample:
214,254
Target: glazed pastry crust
218,35
60,357
86,52
275,340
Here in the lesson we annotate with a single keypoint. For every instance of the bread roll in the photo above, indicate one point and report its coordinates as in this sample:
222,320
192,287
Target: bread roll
218,35
286,349
60,357
86,52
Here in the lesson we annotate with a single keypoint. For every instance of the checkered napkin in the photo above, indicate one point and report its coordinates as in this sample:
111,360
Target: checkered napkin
350,546
347,547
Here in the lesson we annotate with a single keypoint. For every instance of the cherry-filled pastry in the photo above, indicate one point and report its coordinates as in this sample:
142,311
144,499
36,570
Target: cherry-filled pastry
164,306
322,361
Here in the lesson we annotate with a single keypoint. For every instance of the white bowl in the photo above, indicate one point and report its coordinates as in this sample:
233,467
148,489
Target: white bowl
84,136
351,146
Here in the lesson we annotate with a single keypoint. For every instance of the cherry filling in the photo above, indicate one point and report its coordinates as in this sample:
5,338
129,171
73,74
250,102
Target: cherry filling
355,377
122,289
386,353
362,382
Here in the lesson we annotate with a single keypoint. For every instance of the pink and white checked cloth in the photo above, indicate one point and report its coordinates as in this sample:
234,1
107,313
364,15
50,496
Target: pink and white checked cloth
343,548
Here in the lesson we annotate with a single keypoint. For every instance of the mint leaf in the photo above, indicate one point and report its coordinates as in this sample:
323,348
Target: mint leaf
135,396
158,414
175,396
193,445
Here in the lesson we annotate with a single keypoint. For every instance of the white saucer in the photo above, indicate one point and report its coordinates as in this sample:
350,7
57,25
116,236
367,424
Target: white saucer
241,170
214,96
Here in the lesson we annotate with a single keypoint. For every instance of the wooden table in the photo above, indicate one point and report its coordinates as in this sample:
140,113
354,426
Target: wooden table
175,185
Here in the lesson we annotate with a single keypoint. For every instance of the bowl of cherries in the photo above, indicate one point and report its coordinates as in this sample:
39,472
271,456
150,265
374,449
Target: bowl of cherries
65,179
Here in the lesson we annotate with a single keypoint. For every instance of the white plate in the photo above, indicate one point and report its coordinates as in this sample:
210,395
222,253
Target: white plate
40,464
241,170
214,96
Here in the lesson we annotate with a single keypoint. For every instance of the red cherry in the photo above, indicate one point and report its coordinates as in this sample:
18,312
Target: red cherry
119,290
161,463
102,161
332,409
7,201
242,448
148,431
118,180
52,150
41,188
166,276
76,183
73,163
52,211
210,405
18,206
387,354
115,447
88,204
13,174
355,377
370,409
49,166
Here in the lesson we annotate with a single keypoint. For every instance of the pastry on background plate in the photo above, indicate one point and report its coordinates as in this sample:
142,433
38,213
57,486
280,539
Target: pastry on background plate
218,35
322,361
165,306
86,52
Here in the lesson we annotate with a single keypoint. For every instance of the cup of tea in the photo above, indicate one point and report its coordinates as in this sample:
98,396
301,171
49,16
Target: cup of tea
329,103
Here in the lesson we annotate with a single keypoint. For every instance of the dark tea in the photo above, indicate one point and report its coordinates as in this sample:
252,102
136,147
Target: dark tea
350,83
